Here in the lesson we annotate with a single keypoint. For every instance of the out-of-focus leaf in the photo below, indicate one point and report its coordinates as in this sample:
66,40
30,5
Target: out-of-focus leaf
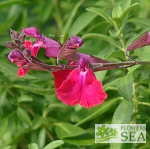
66,129
125,87
34,89
144,22
7,147
25,98
125,4
143,53
102,108
101,75
37,122
33,146
84,139
11,2
70,20
101,13
4,125
54,144
117,11
42,138
132,69
45,11
103,37
81,22
23,116
122,115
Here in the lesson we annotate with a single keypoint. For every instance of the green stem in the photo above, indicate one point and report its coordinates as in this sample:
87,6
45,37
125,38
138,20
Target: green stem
135,108
144,103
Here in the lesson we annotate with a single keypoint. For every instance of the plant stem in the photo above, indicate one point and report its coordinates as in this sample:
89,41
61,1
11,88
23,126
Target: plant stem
144,103
135,108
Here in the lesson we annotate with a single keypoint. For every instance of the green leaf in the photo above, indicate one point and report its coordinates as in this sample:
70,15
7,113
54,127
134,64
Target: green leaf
103,37
37,122
86,138
116,12
100,75
33,146
125,4
42,138
132,69
101,109
25,98
66,129
54,144
101,13
144,22
125,87
70,20
23,116
7,147
34,89
11,2
127,11
3,128
81,22
122,115
143,53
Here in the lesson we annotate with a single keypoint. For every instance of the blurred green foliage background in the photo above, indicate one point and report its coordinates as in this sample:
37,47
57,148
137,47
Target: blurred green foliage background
31,116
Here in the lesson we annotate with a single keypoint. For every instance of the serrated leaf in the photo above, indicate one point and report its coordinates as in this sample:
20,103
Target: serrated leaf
23,116
122,115
81,22
125,87
116,12
33,146
103,37
54,144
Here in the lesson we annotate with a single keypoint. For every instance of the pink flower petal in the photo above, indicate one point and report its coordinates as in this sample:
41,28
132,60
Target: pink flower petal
50,45
31,31
81,87
22,72
60,76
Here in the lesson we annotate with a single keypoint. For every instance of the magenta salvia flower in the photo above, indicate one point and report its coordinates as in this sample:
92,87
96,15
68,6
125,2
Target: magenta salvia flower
79,86
51,46
75,86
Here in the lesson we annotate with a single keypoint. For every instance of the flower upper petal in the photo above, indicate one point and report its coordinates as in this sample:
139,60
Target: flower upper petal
51,46
81,87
